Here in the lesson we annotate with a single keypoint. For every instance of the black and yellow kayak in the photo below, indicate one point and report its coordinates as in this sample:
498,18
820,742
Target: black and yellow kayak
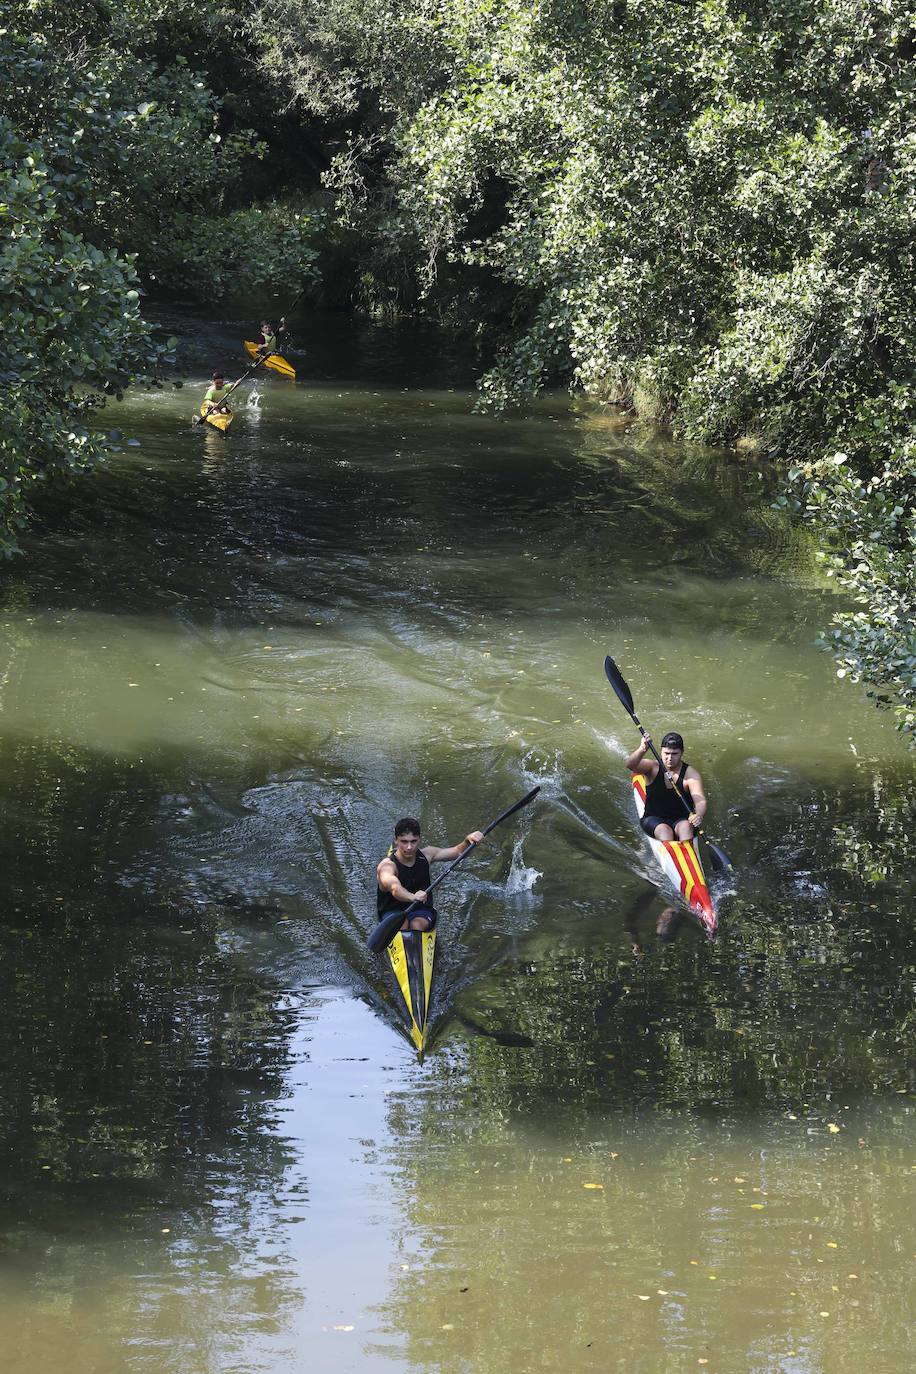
413,955
219,419
275,362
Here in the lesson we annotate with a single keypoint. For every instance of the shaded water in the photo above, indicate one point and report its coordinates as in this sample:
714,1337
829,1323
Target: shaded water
226,666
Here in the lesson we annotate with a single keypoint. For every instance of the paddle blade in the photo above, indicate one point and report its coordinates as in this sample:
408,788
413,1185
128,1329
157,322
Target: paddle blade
383,934
616,679
718,858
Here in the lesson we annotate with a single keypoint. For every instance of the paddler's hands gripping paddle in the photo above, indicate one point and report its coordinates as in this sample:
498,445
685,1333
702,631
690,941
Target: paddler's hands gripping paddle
389,925
720,860
215,405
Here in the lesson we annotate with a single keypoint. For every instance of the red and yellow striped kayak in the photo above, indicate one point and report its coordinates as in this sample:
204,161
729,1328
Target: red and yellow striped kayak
275,361
680,862
413,956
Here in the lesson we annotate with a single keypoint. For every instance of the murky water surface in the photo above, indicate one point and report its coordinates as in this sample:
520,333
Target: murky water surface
224,671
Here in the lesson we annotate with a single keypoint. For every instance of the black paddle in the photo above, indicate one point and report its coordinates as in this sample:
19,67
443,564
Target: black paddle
284,331
215,405
391,923
720,860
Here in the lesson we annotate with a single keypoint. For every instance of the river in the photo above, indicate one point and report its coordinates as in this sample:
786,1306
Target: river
226,667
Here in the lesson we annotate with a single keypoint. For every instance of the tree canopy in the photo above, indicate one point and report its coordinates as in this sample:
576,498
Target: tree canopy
705,210
700,209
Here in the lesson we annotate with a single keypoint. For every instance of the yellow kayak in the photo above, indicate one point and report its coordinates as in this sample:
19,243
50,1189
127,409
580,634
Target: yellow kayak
413,954
275,362
219,419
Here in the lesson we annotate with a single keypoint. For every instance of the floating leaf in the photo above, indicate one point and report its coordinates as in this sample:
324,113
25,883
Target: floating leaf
594,1185
833,1128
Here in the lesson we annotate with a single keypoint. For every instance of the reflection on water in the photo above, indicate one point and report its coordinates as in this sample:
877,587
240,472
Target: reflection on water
225,669
646,1242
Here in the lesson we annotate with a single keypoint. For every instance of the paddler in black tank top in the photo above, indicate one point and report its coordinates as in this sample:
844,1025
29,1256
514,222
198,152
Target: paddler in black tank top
403,874
666,817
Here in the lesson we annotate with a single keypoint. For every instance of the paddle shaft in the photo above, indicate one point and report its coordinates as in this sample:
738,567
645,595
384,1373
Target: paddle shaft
389,926
288,311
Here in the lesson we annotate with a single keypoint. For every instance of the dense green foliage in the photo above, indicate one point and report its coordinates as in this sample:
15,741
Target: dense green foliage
114,173
700,209
704,210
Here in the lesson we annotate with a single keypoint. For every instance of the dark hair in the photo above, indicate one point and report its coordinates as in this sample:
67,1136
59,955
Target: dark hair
220,376
409,825
672,740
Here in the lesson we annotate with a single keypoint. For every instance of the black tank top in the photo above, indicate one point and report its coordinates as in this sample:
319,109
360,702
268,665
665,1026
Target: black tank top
415,879
663,801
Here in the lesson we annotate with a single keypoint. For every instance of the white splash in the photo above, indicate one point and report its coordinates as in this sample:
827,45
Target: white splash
521,878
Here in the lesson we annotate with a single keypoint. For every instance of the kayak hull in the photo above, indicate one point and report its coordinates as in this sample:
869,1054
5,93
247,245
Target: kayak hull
275,362
680,862
413,955
219,419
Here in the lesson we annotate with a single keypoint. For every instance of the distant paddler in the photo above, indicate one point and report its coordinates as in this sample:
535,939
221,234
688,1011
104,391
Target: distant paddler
267,349
267,339
404,873
675,800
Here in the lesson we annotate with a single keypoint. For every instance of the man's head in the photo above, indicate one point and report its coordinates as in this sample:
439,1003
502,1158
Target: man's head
672,749
407,835
217,379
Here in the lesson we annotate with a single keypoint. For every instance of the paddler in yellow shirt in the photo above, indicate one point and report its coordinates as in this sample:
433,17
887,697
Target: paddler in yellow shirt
214,397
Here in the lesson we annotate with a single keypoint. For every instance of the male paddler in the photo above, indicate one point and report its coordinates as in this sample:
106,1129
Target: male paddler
214,396
666,816
267,341
404,876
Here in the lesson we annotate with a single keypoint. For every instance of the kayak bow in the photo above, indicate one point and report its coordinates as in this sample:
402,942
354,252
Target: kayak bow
412,954
680,862
219,419
273,361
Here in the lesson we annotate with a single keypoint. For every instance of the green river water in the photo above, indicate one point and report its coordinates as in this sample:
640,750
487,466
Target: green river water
226,666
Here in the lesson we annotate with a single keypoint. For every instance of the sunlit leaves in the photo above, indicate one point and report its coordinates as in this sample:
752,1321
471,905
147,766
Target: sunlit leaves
705,212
